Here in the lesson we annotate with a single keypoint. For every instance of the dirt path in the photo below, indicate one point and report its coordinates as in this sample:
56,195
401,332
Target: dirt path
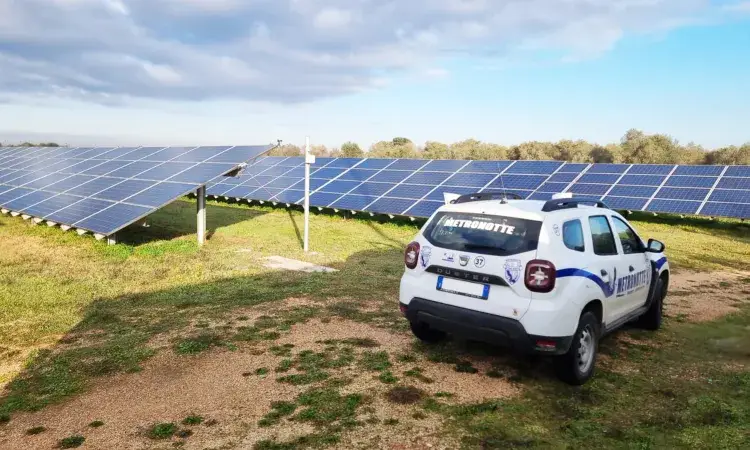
223,388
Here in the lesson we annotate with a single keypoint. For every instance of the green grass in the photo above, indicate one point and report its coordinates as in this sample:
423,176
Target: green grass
73,309
72,441
162,430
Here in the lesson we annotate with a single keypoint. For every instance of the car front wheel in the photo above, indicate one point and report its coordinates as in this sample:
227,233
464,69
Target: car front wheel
576,367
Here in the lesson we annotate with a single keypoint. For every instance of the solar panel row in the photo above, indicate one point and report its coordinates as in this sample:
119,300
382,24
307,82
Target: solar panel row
102,190
415,188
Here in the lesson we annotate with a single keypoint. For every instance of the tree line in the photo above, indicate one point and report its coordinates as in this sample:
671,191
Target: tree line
635,147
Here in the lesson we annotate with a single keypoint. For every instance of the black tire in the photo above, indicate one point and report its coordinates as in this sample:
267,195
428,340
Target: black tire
651,319
577,366
426,334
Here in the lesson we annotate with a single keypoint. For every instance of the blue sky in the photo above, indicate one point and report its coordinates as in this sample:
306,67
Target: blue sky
195,72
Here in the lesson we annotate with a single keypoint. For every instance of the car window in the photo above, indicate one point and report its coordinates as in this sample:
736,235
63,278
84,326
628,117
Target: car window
481,233
573,235
629,240
602,237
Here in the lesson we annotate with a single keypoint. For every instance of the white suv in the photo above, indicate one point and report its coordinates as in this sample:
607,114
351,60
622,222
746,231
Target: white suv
541,277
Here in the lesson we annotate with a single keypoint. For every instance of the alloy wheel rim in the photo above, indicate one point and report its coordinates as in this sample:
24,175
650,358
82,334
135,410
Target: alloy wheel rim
586,349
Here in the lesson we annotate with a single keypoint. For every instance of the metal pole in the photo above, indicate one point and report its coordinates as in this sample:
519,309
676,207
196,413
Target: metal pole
307,193
201,214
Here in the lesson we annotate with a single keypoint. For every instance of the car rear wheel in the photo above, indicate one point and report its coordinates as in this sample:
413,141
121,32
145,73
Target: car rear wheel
426,334
577,365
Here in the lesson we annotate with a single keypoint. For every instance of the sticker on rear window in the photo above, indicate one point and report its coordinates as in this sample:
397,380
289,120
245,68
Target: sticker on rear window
479,225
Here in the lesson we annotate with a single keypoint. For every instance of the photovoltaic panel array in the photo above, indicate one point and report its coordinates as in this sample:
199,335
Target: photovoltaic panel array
415,187
104,189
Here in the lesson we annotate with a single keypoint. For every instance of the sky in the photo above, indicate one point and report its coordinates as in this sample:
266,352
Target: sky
237,72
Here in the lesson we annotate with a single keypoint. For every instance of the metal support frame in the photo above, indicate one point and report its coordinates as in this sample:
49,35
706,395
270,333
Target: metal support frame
112,239
201,214
309,159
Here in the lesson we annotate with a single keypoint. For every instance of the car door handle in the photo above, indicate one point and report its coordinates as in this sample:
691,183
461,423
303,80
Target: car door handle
632,268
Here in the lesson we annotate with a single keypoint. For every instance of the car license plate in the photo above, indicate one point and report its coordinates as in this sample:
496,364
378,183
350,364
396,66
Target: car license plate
459,287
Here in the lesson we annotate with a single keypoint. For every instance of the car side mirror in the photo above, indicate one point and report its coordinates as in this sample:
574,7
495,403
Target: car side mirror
655,246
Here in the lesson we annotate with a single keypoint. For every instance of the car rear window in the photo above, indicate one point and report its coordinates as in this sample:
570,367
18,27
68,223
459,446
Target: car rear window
480,233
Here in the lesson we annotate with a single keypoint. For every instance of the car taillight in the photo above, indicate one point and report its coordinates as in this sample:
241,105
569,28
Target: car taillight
411,255
540,276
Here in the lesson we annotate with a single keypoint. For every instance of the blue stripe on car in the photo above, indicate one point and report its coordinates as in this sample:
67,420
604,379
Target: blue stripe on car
606,288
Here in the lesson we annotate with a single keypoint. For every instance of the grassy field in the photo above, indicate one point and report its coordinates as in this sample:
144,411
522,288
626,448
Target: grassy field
74,311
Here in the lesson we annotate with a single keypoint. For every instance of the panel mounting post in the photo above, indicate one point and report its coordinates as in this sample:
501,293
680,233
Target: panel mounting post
201,214
112,239
309,159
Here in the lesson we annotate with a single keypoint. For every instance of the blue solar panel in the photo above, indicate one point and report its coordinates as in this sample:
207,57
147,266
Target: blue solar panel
553,187
161,194
315,183
290,196
589,189
494,167
69,183
518,182
673,206
625,202
573,168
599,178
131,169
83,166
168,154
201,154
445,165
563,177
738,171
79,211
344,162
277,171
477,180
124,190
699,170
407,164
391,176
340,187
323,198
633,191
201,173
741,211
642,180
541,196
375,163
283,182
326,173
260,180
29,199
94,186
437,194
264,193
47,207
414,191
353,202
116,153
650,169
111,219
423,209
164,171
12,194
374,189
357,174
242,191
734,183
730,196
694,181
534,167
240,154
608,168
682,193
390,205
431,178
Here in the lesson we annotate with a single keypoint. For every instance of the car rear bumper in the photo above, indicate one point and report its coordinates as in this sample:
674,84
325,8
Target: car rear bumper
481,326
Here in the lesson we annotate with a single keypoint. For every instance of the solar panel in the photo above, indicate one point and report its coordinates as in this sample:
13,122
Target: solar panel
386,185
104,189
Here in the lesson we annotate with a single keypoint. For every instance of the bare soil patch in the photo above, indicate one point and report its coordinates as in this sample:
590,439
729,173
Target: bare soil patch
706,296
223,387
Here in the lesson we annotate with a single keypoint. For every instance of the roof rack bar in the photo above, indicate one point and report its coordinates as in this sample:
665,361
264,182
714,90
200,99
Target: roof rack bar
566,203
483,196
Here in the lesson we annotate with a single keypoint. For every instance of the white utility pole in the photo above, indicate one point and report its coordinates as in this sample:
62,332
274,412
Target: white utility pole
201,214
309,159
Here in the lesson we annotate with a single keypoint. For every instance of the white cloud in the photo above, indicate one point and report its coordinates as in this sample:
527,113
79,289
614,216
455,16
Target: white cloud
290,50
332,18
